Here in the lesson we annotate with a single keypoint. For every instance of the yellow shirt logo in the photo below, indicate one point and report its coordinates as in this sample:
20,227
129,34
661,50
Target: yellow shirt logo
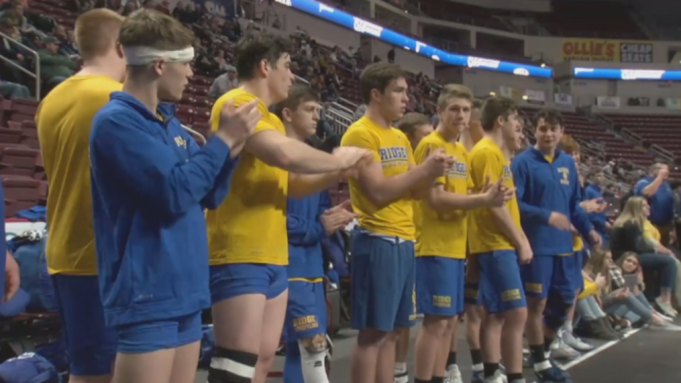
459,170
181,142
565,172
394,156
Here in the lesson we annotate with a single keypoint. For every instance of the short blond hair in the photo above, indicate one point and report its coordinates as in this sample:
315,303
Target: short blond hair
451,91
153,29
96,32
410,121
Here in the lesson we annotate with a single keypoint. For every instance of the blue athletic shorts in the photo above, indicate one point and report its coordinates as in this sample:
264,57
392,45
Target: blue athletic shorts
234,279
382,282
306,310
157,335
90,345
501,288
551,277
440,285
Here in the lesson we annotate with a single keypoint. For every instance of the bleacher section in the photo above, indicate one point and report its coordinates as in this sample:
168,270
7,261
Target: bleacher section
659,130
595,135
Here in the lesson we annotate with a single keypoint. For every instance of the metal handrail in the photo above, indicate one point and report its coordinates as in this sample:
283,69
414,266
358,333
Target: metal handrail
194,133
345,109
350,104
35,75
300,79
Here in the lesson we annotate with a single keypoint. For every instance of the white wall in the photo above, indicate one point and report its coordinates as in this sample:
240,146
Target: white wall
483,82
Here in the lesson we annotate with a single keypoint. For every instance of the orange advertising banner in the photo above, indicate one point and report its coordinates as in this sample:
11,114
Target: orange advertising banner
591,50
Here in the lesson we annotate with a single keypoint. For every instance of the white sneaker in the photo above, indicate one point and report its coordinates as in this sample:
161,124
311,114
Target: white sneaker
453,375
571,340
497,378
401,376
667,318
665,327
560,350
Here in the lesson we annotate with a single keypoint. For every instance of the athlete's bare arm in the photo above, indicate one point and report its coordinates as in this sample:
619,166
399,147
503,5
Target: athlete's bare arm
493,195
382,190
514,234
275,149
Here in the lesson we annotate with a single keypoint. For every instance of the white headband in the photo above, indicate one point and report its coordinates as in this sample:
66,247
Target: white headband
147,55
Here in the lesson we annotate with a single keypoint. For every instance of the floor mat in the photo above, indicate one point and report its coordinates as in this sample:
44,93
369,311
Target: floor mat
644,357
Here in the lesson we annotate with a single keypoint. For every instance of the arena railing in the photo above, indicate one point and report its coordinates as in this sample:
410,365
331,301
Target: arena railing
36,75
339,120
347,104
337,105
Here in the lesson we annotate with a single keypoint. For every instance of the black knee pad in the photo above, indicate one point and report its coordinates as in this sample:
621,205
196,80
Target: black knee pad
231,366
556,311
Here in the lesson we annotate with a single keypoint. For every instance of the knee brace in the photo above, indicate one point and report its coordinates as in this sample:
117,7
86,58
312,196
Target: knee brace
313,358
556,312
231,366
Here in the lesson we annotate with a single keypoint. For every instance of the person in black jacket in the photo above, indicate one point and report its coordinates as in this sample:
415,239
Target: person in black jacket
633,232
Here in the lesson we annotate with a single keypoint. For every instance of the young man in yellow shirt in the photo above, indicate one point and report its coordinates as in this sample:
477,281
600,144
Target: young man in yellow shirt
497,240
247,236
415,126
64,122
382,263
442,236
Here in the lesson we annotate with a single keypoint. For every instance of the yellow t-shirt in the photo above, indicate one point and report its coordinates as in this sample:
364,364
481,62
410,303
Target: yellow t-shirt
416,207
64,121
250,225
577,242
444,234
650,231
392,149
486,158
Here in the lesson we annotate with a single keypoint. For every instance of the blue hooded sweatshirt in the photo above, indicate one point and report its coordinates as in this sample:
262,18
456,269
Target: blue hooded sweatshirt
150,184
598,220
543,187
305,234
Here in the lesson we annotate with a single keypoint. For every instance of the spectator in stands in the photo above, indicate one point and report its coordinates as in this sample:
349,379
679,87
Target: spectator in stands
224,82
67,43
359,112
12,51
626,301
12,90
660,196
16,11
130,7
594,191
595,320
187,13
629,235
54,68
391,55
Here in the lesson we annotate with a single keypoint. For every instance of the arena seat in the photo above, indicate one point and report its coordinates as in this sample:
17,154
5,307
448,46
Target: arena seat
654,129
20,193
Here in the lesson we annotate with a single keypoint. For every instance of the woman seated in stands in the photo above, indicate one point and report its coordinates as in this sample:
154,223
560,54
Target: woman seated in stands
593,320
629,235
626,300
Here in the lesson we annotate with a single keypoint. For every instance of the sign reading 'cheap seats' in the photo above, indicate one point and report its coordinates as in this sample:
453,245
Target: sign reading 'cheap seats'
590,50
